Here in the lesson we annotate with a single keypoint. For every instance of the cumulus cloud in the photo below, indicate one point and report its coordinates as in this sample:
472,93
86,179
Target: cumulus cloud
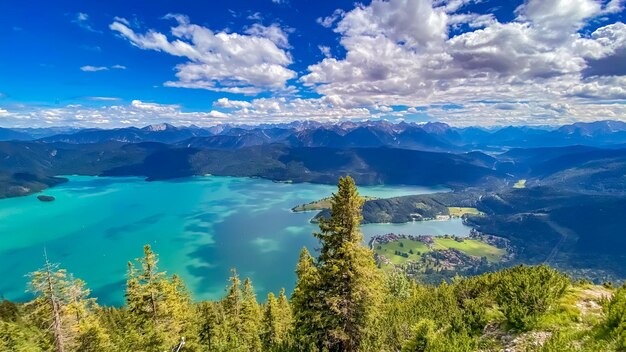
229,62
281,109
140,113
137,113
401,52
230,104
272,32
399,58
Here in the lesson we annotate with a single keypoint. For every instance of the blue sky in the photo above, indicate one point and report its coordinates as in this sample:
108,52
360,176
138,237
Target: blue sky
118,63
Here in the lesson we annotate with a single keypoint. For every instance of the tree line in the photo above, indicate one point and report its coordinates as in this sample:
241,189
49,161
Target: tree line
341,302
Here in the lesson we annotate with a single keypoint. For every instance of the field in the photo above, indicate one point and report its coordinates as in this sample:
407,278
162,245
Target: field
471,247
404,246
457,212
405,250
520,184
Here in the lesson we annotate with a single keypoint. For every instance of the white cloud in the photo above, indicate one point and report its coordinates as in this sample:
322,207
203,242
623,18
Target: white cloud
121,20
255,16
400,52
272,32
330,20
89,68
137,113
613,6
103,98
82,20
230,104
220,61
325,50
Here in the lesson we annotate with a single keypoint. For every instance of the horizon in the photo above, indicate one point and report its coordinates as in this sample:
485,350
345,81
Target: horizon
486,63
320,123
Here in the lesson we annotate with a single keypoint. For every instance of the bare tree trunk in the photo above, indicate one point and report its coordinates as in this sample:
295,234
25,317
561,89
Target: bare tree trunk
57,324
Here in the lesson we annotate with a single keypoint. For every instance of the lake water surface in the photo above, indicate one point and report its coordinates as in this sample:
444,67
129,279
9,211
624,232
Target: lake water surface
200,227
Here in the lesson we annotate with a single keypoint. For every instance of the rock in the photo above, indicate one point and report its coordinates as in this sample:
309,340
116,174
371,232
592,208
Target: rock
45,198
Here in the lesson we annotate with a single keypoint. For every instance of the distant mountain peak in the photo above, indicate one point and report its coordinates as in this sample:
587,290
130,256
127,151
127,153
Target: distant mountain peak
159,127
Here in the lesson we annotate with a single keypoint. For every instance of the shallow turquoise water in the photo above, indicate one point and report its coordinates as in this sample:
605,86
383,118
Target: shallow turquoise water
200,227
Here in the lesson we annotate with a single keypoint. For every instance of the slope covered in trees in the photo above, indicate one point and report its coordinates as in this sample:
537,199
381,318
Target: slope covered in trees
342,302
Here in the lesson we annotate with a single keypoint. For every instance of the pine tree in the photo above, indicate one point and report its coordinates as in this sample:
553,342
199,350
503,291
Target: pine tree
350,283
285,318
50,285
250,317
271,323
232,310
78,302
306,303
159,309
92,336
212,326
180,320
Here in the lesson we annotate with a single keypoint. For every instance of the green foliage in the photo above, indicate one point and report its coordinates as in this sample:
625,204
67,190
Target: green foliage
341,302
307,323
525,293
17,338
8,311
616,316
159,309
350,286
427,339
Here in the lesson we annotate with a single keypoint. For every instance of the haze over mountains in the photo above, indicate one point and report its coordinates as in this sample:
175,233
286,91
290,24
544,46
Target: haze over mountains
430,136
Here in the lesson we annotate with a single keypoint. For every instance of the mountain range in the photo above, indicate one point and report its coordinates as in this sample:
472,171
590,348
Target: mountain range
433,136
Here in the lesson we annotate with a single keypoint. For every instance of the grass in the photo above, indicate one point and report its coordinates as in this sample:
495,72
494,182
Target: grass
460,211
316,205
404,246
321,204
520,184
470,247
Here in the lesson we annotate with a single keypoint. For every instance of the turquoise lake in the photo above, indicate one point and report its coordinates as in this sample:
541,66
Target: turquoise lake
201,227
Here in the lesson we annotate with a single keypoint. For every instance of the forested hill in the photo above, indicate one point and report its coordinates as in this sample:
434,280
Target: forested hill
342,302
30,166
586,156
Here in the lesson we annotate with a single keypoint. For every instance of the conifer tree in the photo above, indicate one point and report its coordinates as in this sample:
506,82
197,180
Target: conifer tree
250,317
79,304
350,284
92,336
159,309
232,310
307,327
212,326
271,335
50,285
285,318
180,322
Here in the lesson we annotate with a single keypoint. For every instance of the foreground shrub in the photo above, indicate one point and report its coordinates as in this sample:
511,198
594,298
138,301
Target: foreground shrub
616,316
524,293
